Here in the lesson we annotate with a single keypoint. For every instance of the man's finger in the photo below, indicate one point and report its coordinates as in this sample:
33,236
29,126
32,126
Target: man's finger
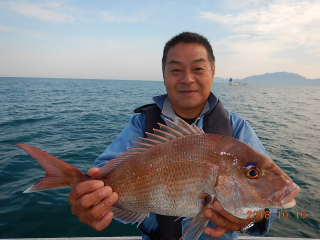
216,232
101,224
91,199
84,188
103,206
92,171
234,220
220,220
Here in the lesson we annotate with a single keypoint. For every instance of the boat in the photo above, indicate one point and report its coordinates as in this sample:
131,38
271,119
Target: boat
236,83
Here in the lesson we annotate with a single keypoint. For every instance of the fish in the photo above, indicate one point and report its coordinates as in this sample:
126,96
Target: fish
178,170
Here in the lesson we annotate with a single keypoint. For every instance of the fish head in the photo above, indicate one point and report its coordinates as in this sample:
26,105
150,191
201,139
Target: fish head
251,181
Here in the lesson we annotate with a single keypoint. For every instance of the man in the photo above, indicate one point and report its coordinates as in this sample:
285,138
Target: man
188,67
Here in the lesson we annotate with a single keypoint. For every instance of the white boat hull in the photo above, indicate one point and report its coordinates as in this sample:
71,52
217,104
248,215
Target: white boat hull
237,84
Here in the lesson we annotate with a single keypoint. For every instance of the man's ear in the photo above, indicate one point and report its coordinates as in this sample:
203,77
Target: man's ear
213,72
163,75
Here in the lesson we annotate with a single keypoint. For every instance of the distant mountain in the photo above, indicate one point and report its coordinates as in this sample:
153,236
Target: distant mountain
281,78
220,80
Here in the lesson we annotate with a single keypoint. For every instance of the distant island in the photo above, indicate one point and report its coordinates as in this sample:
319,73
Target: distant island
280,78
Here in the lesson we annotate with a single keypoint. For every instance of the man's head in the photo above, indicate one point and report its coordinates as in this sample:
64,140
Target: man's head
188,72
187,37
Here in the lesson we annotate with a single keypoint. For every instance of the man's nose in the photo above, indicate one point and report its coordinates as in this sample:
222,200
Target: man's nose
187,78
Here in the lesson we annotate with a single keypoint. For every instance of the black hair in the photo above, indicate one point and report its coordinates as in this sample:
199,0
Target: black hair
188,37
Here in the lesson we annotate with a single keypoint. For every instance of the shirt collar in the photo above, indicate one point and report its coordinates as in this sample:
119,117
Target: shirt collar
168,111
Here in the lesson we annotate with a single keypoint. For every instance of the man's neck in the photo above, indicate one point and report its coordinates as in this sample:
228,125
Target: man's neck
189,113
188,120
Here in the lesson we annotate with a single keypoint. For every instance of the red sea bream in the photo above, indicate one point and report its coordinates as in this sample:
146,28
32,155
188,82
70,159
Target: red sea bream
177,171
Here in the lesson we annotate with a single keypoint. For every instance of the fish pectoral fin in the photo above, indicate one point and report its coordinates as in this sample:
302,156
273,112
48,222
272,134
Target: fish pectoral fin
198,223
128,217
195,229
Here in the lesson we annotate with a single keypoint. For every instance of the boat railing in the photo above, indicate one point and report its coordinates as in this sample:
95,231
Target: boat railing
139,238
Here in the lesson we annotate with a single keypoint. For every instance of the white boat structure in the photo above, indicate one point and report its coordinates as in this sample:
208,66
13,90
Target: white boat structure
236,83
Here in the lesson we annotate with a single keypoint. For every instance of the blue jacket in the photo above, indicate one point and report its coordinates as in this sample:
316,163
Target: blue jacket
136,128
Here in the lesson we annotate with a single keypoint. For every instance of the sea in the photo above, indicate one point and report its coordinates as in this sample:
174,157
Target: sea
76,119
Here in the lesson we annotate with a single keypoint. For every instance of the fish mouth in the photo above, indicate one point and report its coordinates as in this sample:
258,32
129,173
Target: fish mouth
290,204
286,198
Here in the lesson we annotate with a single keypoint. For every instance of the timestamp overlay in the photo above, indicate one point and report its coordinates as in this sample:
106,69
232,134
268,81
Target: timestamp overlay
280,214
297,220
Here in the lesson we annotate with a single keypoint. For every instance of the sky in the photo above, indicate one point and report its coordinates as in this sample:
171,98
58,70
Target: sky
107,39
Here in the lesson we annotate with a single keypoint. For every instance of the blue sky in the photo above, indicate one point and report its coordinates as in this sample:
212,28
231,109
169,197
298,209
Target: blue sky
124,39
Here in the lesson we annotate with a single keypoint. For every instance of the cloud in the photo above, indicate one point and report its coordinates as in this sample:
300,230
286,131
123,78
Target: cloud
239,5
53,4
39,11
110,17
25,32
6,29
271,27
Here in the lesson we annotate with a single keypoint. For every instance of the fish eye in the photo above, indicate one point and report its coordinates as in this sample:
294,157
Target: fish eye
252,172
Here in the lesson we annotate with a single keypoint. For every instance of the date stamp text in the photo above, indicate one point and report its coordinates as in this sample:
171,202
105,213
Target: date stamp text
280,214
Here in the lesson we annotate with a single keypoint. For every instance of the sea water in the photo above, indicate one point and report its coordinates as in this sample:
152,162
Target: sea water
76,119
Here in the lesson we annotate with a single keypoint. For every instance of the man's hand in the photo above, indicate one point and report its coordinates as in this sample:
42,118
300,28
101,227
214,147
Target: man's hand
91,201
225,221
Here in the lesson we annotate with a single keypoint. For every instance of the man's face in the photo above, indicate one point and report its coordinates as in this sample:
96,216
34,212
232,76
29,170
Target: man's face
188,77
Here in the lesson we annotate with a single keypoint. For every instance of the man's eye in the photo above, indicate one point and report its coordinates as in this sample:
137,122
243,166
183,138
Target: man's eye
175,70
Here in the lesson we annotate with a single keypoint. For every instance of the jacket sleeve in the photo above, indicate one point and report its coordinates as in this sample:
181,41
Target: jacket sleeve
132,132
244,132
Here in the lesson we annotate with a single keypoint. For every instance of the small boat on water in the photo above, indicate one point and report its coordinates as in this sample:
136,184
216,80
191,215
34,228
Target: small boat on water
236,83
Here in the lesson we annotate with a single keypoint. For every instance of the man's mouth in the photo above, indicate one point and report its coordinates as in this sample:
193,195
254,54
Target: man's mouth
187,91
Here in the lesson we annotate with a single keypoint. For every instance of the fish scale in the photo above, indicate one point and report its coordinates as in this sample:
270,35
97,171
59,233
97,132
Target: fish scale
178,171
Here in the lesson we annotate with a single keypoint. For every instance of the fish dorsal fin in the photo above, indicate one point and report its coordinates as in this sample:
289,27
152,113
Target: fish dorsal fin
110,165
166,133
182,126
197,129
185,128
127,217
156,137
170,130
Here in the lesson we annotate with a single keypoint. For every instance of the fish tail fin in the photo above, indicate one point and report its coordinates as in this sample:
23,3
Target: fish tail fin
58,173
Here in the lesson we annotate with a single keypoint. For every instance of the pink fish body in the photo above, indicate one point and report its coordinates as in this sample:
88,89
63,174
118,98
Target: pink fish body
178,171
